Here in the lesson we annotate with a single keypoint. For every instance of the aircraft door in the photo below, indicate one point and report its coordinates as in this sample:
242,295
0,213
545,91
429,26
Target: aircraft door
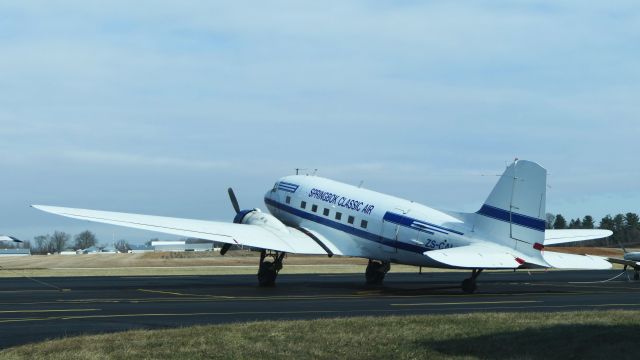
389,236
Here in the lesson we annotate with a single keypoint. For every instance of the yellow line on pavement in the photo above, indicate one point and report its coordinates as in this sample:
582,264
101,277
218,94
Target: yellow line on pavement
470,303
45,311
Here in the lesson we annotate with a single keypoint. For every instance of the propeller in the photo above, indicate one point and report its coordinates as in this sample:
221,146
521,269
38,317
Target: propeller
234,200
240,214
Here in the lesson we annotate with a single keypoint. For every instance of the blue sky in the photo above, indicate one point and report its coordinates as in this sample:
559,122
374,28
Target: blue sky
158,106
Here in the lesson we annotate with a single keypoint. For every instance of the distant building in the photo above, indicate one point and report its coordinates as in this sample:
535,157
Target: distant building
15,252
91,250
180,246
69,251
137,249
109,250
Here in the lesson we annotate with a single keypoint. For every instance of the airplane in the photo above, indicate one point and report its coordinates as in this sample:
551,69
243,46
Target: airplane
630,259
9,238
309,214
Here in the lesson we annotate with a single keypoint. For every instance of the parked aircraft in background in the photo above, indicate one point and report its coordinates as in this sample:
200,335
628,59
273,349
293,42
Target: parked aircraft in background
314,215
9,238
630,259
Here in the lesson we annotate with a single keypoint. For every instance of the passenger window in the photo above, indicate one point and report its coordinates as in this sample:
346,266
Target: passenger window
303,204
338,216
325,212
363,224
350,220
314,208
288,199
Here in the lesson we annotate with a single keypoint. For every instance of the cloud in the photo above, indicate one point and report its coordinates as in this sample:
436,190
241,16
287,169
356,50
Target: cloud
415,98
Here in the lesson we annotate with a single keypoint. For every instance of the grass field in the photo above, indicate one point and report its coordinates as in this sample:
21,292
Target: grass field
570,335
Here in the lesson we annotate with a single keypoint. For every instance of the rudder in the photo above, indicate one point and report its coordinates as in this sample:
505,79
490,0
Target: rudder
514,213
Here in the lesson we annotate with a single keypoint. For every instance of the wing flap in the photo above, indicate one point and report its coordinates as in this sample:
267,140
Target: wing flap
293,241
552,237
482,256
576,262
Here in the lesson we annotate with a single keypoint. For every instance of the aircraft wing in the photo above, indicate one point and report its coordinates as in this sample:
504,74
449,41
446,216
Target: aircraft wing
290,240
576,262
633,264
552,237
483,256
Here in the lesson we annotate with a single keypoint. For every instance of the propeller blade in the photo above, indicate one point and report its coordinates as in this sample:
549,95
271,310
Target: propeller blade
234,201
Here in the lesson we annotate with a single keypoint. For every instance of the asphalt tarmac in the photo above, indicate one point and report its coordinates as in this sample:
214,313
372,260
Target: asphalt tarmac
32,311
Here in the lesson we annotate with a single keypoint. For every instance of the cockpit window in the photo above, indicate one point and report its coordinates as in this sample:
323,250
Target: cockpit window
275,187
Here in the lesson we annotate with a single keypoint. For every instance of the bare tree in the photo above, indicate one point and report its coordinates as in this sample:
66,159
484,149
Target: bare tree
85,239
59,241
42,244
122,246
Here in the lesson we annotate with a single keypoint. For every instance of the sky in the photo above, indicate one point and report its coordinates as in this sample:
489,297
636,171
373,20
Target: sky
157,107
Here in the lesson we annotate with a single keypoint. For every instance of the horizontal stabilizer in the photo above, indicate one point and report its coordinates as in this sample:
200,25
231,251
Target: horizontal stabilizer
482,256
552,237
291,240
576,262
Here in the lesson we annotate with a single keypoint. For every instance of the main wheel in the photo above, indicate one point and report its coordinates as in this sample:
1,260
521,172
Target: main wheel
375,272
267,274
468,286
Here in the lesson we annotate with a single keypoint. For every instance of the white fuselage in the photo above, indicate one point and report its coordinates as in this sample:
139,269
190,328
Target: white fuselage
364,223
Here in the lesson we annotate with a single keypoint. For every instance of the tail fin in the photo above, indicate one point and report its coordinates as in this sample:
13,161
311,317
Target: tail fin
514,213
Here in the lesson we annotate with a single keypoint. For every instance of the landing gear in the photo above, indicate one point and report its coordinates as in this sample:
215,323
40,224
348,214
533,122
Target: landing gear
469,285
376,270
268,270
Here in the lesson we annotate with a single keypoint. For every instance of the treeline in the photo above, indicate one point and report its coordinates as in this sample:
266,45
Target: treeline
625,227
60,240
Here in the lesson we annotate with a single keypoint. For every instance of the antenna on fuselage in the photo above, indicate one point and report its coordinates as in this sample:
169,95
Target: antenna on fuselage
301,169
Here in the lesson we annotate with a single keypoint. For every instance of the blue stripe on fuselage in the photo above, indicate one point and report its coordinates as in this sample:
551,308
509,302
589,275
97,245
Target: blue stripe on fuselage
416,224
518,219
347,228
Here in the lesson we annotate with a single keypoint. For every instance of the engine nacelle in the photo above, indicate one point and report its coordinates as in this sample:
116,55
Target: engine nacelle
257,217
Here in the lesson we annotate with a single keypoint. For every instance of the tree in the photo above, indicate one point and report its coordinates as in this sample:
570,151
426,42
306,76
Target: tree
42,244
85,239
122,246
607,223
587,222
631,221
59,241
632,227
560,222
575,224
550,220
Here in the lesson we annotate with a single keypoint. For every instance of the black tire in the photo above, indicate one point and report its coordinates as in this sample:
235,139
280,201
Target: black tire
468,286
375,273
267,274
636,276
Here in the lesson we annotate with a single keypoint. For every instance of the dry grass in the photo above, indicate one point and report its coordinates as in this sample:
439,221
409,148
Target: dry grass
571,335
205,263
201,263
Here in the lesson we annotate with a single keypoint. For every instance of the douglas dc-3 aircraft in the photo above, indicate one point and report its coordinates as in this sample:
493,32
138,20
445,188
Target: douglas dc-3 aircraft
313,215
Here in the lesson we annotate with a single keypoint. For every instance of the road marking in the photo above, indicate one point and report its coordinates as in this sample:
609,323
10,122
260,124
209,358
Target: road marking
471,303
45,311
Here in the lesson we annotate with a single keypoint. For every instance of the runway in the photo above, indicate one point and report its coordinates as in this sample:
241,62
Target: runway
32,311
